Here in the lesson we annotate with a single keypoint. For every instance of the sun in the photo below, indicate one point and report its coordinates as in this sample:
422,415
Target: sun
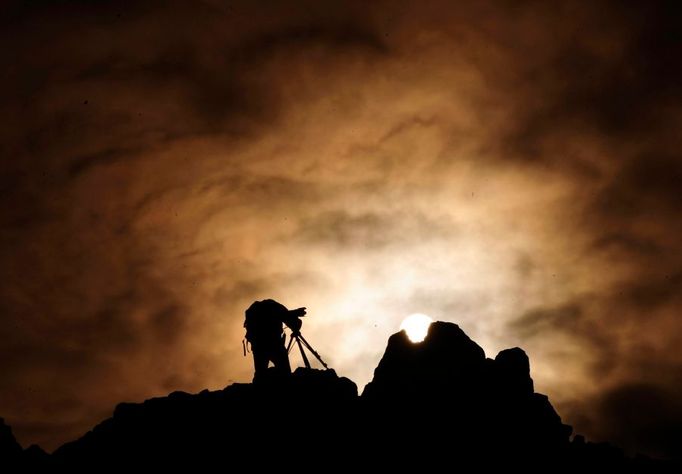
416,326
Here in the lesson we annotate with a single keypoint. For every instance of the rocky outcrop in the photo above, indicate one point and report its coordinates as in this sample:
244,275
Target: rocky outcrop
250,426
487,405
432,404
446,363
13,457
10,450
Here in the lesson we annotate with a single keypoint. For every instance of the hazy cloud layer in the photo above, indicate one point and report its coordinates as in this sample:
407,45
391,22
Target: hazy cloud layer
510,166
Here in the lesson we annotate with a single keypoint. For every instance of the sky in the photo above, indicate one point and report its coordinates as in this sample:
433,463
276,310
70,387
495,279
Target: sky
512,167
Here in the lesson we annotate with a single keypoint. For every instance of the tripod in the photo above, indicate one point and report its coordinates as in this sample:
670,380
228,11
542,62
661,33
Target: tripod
300,341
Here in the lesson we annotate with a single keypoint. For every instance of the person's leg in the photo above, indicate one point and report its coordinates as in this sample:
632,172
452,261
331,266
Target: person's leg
260,360
281,359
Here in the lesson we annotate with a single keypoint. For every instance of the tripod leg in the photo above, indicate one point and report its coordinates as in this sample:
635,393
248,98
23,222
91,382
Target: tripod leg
310,348
305,358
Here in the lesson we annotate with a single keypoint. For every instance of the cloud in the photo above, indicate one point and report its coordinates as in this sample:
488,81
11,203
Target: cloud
343,230
510,167
654,426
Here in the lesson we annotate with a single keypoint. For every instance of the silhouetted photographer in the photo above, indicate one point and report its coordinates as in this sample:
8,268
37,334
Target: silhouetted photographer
265,332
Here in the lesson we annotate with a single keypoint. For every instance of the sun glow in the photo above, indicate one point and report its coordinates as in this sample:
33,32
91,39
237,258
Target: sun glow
416,326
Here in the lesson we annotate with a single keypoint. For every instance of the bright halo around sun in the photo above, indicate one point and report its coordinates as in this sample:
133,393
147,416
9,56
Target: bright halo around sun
416,326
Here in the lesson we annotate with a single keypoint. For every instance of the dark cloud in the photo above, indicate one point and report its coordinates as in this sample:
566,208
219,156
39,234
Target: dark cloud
369,230
632,360
647,184
652,292
564,316
511,166
627,245
640,417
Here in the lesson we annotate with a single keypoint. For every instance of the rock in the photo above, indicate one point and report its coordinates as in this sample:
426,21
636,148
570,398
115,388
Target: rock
446,364
490,402
309,409
34,457
10,449
513,372
433,405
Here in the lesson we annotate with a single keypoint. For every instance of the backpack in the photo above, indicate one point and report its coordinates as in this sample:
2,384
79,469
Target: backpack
263,319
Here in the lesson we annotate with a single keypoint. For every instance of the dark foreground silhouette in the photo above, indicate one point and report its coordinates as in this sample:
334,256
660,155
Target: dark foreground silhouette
264,324
440,404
